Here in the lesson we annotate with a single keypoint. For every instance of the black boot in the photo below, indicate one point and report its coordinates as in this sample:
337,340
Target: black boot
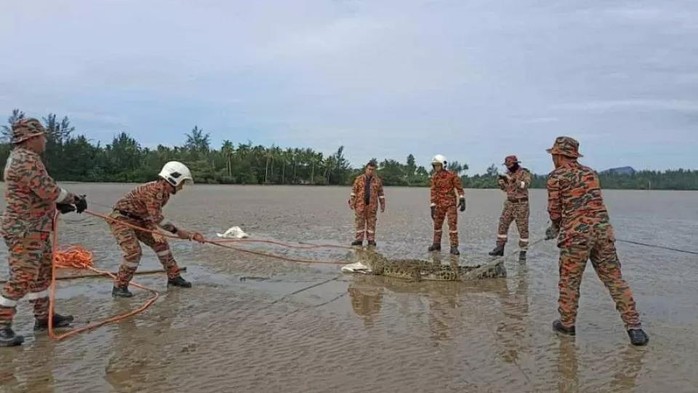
558,327
454,250
121,292
8,338
638,337
59,321
178,282
497,251
522,256
435,247
357,243
371,243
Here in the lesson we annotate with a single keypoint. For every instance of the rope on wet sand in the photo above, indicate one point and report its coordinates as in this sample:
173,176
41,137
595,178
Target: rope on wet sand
657,246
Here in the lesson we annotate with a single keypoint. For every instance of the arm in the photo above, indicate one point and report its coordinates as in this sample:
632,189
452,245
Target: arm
381,195
524,181
458,185
433,192
44,186
354,191
554,202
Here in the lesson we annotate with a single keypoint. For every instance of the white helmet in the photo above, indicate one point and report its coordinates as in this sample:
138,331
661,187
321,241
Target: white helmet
439,159
174,172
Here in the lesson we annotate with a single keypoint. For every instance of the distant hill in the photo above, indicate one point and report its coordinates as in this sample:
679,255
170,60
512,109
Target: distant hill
624,170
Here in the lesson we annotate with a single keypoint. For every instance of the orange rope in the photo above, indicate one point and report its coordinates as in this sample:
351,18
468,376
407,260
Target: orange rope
80,258
219,243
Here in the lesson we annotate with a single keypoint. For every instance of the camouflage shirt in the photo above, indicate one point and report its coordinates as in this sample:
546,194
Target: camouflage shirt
517,185
145,203
575,204
375,193
30,194
445,187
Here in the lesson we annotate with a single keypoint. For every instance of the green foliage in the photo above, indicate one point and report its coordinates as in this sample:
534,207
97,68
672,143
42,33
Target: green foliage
74,158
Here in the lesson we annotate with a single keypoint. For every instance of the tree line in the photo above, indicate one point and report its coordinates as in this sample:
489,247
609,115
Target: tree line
71,156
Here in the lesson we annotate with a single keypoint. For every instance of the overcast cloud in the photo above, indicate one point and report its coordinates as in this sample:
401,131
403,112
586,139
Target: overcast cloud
473,80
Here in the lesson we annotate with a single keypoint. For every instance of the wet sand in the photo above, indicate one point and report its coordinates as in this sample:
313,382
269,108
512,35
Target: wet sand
252,323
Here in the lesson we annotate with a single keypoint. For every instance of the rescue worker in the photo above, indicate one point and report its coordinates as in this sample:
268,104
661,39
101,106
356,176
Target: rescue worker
32,198
581,224
142,207
515,184
445,187
366,194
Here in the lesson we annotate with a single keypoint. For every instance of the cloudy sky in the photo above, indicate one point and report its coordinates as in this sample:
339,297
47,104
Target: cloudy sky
473,80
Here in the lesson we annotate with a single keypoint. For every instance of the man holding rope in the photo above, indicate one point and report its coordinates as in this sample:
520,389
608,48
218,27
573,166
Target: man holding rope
32,197
142,208
581,224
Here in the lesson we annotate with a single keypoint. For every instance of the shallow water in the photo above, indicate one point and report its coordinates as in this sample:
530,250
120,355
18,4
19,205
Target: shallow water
254,323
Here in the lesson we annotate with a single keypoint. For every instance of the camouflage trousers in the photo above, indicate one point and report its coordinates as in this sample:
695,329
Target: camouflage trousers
439,215
30,261
604,259
514,211
128,239
365,222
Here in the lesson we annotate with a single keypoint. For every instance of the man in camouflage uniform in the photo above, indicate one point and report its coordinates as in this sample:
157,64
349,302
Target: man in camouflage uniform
32,198
515,184
445,187
581,224
365,196
142,207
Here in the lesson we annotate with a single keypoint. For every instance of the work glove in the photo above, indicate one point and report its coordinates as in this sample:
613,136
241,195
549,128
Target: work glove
551,232
461,204
80,203
65,208
433,212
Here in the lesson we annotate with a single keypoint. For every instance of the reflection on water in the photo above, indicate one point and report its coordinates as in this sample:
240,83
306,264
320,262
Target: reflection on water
295,331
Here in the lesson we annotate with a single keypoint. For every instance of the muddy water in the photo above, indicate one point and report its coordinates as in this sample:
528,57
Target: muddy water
253,323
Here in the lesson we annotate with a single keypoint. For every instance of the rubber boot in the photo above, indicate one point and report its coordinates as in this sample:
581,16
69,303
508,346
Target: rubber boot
371,243
522,256
435,247
497,251
558,327
121,292
357,243
638,337
59,321
178,282
8,338
454,250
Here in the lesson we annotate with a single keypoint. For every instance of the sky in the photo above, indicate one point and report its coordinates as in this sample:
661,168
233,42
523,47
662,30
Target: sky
472,80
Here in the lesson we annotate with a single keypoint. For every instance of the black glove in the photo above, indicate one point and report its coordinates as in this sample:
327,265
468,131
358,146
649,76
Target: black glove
80,203
433,212
65,208
503,177
461,204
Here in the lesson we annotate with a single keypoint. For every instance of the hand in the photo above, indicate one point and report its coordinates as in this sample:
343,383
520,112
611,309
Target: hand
461,204
382,208
433,212
351,206
80,203
198,237
65,208
158,238
551,232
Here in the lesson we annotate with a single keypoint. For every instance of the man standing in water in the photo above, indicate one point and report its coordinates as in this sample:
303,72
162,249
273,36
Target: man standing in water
366,193
445,186
32,197
581,224
515,184
142,207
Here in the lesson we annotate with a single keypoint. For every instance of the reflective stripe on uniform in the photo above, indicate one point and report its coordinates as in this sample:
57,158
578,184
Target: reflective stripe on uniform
129,264
523,240
5,302
163,253
62,195
37,295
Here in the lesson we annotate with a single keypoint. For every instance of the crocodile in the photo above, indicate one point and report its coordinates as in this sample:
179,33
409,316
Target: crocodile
371,262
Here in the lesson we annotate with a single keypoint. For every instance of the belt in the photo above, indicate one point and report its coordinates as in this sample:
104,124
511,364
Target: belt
129,215
517,200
